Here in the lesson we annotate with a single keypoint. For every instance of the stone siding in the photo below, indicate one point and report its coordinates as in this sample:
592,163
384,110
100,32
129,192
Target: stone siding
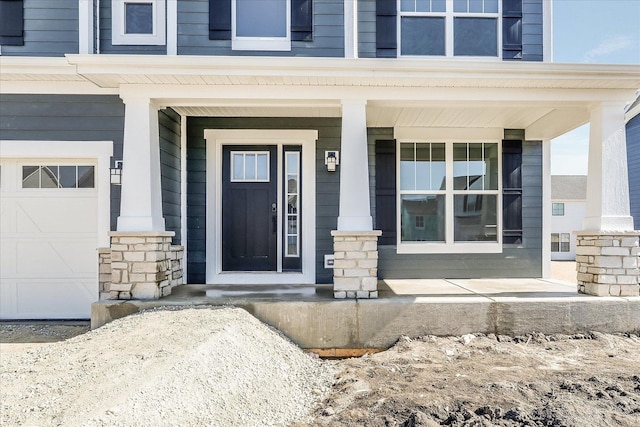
607,264
355,268
104,266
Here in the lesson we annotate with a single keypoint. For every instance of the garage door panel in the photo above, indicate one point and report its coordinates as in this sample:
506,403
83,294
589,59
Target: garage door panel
7,216
47,299
56,215
40,258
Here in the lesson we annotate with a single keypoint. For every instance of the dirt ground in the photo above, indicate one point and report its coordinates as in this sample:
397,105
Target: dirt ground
534,380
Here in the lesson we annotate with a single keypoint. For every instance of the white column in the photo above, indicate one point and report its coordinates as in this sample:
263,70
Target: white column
141,197
355,213
607,180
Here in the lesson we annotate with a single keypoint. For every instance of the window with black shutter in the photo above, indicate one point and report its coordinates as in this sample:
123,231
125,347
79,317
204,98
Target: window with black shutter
11,22
386,191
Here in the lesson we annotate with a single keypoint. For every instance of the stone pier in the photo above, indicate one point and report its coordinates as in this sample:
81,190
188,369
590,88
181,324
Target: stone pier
607,263
355,268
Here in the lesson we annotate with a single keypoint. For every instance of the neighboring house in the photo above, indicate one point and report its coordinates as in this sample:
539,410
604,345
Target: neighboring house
632,129
427,121
568,208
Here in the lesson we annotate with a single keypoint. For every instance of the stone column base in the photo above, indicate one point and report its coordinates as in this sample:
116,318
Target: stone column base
355,267
144,265
607,263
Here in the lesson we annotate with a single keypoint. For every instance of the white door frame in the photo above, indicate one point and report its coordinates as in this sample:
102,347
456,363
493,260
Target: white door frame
215,139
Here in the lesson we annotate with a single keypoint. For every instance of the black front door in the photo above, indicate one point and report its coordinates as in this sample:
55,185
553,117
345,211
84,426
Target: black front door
249,208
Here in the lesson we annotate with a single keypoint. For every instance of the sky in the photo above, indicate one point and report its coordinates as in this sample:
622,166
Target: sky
596,32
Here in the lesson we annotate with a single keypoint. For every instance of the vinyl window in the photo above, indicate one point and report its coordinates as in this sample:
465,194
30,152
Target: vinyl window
138,22
261,25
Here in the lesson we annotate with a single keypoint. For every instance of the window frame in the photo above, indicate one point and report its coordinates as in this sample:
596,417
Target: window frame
449,18
449,245
281,44
41,163
118,25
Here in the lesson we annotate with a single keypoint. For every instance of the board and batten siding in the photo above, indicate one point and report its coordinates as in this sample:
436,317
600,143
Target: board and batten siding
328,32
50,29
169,125
532,30
516,260
106,36
633,158
327,185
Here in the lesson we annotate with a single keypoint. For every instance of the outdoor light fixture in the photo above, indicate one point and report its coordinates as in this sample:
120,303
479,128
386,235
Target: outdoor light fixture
116,173
331,159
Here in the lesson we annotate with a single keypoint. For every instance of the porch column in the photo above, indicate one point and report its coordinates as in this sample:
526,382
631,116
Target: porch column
607,248
142,261
355,243
141,197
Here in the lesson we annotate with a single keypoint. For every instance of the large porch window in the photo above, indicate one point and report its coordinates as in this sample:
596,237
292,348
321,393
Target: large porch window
449,197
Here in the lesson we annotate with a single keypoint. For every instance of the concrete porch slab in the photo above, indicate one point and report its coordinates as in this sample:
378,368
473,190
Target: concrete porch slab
315,320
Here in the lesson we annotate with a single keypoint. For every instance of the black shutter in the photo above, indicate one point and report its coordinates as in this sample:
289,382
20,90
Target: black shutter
11,23
219,19
302,20
511,30
386,191
386,29
512,191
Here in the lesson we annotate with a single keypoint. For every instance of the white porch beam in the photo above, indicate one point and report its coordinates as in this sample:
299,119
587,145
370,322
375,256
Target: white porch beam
355,212
556,123
141,197
607,182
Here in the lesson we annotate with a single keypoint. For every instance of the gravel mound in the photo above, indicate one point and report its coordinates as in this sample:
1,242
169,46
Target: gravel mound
190,367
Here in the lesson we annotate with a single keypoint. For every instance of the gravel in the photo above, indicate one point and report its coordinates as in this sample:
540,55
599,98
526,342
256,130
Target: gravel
189,367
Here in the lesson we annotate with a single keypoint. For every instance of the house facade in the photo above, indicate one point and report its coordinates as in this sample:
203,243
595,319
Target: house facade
290,141
632,129
568,209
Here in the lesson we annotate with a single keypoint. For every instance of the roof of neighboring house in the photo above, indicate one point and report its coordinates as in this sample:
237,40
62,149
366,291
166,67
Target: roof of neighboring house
568,187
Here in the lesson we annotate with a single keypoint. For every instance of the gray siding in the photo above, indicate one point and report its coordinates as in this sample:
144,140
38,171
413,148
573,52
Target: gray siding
328,32
524,260
327,184
169,123
633,155
105,37
50,29
532,34
66,118
366,28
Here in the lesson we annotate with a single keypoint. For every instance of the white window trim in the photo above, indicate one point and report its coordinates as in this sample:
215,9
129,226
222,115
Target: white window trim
280,44
119,37
449,246
449,16
215,139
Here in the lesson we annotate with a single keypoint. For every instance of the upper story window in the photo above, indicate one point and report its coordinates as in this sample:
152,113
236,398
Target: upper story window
557,209
449,28
138,22
261,25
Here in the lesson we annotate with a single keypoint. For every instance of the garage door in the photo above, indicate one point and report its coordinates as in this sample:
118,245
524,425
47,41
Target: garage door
48,234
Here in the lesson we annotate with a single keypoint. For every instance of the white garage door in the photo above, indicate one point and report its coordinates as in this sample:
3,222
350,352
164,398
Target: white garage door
49,236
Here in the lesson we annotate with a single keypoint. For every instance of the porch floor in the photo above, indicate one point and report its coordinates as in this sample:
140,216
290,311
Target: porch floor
313,319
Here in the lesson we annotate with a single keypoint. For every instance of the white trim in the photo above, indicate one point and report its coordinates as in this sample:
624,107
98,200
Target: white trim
172,27
215,139
281,44
547,31
100,150
351,29
449,246
183,192
85,27
156,38
547,222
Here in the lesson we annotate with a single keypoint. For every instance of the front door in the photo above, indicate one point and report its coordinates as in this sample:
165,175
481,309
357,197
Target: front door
249,208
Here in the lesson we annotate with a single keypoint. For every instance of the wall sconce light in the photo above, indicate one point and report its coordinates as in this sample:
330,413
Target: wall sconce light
331,159
116,173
